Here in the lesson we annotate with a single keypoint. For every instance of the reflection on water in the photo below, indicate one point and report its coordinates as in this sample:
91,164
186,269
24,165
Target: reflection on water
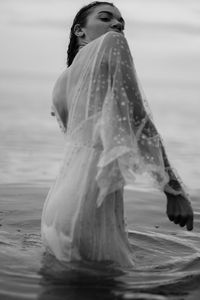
79,281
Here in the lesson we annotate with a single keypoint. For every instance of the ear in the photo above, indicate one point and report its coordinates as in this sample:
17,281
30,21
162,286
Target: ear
78,30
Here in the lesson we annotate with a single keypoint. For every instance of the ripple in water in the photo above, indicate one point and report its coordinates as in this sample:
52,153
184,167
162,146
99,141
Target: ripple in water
166,267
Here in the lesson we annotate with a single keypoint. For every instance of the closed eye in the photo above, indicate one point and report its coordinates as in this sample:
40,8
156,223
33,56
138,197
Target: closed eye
105,19
106,16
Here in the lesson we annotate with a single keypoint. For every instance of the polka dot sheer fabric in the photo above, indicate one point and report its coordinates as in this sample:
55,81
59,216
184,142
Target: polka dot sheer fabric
108,112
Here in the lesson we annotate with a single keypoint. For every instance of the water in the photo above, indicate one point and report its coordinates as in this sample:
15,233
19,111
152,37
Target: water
165,43
167,258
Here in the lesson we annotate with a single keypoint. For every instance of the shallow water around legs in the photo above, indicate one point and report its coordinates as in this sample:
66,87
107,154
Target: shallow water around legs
167,259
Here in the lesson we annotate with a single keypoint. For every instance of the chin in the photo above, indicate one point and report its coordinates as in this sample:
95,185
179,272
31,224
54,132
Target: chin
115,30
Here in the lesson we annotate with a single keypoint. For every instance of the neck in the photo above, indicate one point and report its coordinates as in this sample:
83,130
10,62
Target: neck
82,43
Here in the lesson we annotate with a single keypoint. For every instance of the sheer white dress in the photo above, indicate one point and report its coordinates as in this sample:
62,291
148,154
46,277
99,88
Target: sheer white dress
109,137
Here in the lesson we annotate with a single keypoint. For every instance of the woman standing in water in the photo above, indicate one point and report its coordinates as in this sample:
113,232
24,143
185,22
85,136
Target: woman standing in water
110,137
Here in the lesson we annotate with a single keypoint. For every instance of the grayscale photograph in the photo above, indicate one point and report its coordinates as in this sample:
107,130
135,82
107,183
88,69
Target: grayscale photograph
100,150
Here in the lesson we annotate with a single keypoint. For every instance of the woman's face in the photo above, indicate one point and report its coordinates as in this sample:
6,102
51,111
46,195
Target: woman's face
102,19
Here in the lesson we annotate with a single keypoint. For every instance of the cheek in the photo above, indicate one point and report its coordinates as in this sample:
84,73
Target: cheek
99,29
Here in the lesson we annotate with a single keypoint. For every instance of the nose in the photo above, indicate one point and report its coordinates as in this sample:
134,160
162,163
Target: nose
117,25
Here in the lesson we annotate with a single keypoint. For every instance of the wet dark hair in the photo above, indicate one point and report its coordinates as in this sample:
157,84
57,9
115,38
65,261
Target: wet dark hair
80,18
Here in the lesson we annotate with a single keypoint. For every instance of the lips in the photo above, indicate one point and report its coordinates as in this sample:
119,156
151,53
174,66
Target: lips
116,30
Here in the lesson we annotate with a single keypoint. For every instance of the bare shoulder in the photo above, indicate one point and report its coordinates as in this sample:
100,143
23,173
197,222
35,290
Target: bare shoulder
59,90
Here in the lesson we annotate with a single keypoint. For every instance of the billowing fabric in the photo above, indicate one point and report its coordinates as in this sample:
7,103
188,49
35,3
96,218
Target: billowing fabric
110,138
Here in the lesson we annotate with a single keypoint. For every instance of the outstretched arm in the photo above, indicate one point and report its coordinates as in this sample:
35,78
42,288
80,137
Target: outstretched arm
129,101
179,209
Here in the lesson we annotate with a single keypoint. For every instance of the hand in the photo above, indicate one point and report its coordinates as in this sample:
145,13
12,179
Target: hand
179,210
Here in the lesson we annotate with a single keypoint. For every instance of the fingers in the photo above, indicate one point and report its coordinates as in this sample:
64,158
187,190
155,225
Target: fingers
189,224
187,214
177,219
170,217
183,221
180,211
170,208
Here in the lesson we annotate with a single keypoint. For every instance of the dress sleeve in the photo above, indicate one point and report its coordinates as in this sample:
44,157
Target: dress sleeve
131,143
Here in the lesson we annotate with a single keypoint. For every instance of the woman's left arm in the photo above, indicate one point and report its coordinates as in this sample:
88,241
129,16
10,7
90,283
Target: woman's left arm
179,209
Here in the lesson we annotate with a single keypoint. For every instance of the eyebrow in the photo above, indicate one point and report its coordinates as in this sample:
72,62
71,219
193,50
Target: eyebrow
111,14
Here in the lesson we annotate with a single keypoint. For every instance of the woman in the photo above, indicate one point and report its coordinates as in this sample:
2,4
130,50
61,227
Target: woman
110,138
